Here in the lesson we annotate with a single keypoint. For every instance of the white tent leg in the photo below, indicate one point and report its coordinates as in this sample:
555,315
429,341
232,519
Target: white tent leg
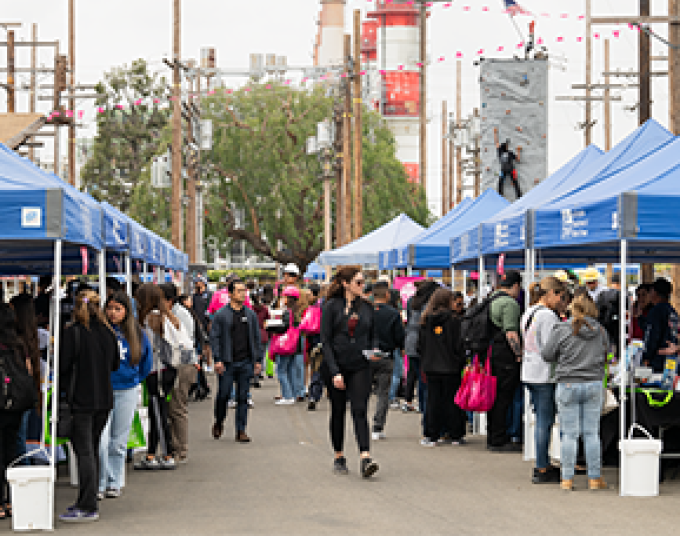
145,272
622,362
102,277
480,280
55,382
128,274
465,283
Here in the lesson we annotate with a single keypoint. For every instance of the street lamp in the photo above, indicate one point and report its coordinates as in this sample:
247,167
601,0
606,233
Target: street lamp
322,146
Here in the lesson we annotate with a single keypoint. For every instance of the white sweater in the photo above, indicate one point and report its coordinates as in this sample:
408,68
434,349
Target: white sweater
534,368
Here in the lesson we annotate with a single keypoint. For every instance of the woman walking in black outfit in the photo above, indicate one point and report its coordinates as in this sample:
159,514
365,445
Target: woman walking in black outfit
90,351
346,333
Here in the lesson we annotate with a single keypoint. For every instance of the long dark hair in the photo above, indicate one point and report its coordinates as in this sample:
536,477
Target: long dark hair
343,274
425,290
150,298
9,338
440,301
129,327
27,330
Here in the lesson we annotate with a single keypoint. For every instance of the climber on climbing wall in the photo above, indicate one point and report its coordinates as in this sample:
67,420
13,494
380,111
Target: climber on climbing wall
507,160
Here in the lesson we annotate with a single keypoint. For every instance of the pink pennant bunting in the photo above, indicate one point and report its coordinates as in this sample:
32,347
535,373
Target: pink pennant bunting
304,79
80,114
400,67
564,16
269,86
581,17
485,8
560,39
382,72
100,110
596,35
579,39
545,15
616,33
287,82
120,106
246,89
156,101
520,44
343,75
540,41
55,114
479,52
362,73
138,102
448,4
419,64
501,49
429,4
466,8
459,54
69,113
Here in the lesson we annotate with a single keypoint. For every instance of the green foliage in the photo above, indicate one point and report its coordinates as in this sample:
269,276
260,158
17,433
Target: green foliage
245,275
127,137
259,155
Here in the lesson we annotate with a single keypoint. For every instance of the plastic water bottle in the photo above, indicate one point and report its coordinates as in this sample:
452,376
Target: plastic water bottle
669,372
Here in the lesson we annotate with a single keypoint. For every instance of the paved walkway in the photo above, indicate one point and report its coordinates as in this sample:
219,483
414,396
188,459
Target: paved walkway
282,484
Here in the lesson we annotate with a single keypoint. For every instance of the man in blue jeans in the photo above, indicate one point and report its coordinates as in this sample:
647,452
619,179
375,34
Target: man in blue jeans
237,353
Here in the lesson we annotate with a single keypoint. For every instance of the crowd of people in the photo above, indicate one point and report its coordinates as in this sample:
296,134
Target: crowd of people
349,338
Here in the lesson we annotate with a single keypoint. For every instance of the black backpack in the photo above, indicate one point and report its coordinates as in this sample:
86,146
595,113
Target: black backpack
17,388
477,329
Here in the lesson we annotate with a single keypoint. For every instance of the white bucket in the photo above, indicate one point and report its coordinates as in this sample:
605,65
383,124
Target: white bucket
640,465
479,424
31,497
529,436
556,441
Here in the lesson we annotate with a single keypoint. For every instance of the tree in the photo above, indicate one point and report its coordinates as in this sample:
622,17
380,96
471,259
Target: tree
128,132
270,192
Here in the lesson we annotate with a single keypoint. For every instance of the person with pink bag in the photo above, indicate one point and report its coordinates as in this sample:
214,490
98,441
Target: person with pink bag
288,349
442,359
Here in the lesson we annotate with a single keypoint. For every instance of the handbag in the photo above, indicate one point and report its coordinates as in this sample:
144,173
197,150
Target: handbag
463,394
65,409
311,321
482,388
287,343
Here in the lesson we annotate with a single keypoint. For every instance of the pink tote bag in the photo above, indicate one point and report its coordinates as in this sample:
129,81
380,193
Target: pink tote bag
311,321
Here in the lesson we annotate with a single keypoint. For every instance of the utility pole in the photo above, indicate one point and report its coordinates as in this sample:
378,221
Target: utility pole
674,102
607,100
347,147
450,193
645,89
423,96
589,73
10,72
459,118
445,159
339,170
358,130
191,175
176,130
72,101
31,99
59,83
478,160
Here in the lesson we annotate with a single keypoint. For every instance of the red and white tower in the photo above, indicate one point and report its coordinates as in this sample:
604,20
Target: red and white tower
397,57
330,39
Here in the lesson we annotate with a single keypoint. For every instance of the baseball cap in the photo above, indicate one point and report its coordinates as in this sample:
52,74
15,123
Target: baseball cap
291,268
510,278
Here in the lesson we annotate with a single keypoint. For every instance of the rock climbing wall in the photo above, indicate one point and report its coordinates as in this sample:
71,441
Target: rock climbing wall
514,100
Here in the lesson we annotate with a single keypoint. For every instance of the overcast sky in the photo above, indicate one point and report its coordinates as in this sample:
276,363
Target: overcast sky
110,34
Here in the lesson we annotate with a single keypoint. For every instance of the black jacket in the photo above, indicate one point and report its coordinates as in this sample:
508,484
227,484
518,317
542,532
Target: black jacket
220,336
440,344
340,351
97,358
389,329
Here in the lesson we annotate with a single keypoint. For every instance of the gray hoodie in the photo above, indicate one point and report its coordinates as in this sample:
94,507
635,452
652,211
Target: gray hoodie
580,358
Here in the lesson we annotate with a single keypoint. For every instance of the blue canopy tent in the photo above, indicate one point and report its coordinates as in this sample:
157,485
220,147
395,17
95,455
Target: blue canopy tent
506,230
432,250
398,257
628,217
507,233
314,271
365,250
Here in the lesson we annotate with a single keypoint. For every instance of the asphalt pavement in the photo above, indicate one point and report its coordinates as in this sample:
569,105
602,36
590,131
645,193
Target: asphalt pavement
282,483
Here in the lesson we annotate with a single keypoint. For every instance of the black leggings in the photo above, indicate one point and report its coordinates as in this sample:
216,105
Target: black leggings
158,398
513,180
357,389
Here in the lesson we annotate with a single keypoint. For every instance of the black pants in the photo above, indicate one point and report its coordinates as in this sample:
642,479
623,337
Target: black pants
507,380
9,432
87,431
513,180
442,413
357,389
158,392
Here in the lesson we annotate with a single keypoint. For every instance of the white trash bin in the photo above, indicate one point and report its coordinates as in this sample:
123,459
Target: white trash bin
479,424
32,507
640,470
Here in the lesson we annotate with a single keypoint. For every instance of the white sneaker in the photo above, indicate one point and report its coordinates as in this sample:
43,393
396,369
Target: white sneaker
395,405
426,442
285,402
377,436
232,404
251,404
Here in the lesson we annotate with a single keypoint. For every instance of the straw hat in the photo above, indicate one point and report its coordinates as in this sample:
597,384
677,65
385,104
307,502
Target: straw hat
589,275
562,276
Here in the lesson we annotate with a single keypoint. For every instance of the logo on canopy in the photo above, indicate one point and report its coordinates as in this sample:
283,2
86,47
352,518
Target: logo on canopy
464,243
501,235
117,229
31,217
574,224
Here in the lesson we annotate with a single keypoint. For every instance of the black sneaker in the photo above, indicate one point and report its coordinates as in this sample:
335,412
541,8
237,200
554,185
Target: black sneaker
508,447
550,476
340,466
311,406
368,467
